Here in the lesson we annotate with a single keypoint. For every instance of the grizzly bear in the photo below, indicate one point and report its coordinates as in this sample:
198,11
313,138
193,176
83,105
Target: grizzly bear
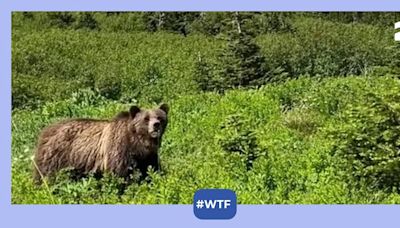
130,141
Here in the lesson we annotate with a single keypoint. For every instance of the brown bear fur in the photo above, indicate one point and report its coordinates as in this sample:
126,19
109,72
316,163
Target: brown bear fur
129,141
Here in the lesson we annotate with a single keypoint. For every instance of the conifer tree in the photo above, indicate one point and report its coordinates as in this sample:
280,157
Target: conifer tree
240,63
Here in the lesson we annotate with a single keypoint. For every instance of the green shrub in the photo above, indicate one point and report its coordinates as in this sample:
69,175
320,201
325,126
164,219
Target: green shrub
61,19
67,189
217,23
133,66
321,48
109,86
31,92
86,20
87,97
237,135
271,22
370,138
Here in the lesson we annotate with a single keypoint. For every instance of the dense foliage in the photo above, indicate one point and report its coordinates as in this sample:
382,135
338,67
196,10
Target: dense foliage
310,109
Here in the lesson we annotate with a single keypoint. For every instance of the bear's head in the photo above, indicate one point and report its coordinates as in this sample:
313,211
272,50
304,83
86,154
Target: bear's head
149,123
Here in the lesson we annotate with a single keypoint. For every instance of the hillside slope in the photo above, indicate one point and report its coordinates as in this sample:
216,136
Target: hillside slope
279,144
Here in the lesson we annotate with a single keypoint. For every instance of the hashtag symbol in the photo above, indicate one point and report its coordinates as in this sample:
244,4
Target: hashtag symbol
200,204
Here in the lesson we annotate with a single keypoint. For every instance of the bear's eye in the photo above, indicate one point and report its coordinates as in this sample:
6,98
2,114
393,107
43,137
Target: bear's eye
146,118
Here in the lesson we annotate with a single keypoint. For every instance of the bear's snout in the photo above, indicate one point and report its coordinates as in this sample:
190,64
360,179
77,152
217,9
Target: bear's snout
156,125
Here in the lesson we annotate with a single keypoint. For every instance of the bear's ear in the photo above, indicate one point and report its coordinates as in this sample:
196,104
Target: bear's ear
134,110
164,107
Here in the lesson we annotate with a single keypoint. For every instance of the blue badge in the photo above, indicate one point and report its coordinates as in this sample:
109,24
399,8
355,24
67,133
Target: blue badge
214,204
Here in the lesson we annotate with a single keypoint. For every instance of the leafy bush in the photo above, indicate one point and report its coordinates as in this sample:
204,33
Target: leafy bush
31,92
87,97
274,22
143,64
217,23
109,86
61,19
86,20
375,18
370,138
237,136
320,48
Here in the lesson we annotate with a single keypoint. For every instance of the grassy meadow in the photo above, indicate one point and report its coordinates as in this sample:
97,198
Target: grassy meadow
325,129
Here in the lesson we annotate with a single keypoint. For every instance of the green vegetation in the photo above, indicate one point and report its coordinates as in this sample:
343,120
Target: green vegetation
319,123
